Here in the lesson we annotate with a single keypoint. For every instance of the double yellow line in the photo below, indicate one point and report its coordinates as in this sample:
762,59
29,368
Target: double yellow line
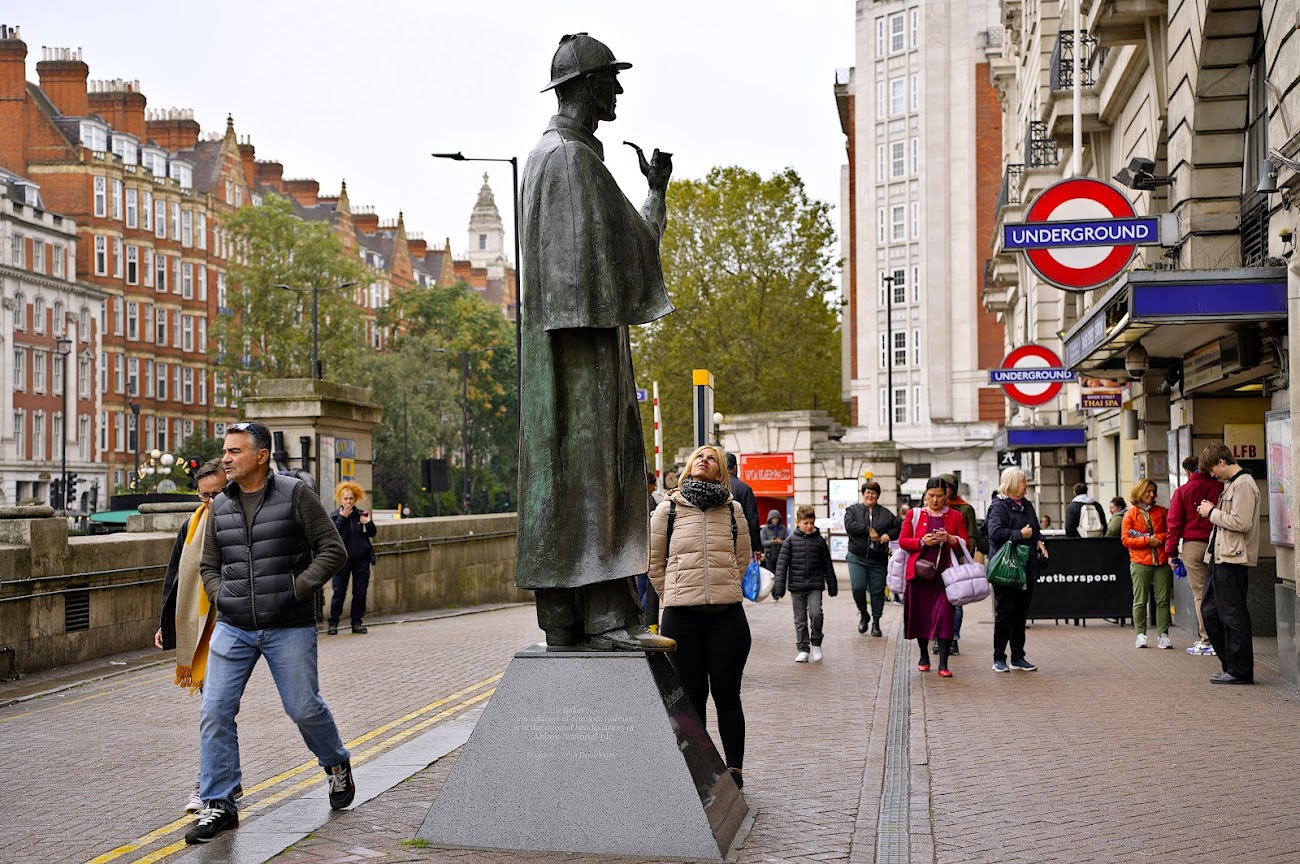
449,705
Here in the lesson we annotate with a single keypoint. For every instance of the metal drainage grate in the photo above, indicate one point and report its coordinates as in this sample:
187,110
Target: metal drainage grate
76,610
892,828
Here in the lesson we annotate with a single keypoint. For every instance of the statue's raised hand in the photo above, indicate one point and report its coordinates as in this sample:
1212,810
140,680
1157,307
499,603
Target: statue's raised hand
657,170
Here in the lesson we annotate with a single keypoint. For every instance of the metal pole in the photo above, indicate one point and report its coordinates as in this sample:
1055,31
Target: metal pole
135,411
315,333
63,471
406,453
889,352
464,430
519,304
1078,91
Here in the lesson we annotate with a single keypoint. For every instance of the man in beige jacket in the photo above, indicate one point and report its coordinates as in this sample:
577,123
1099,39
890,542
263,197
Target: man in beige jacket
1233,549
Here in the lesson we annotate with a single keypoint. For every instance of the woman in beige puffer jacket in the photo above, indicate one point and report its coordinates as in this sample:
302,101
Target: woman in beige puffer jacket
697,572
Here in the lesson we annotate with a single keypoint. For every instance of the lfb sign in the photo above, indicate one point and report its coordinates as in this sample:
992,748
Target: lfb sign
769,474
1246,440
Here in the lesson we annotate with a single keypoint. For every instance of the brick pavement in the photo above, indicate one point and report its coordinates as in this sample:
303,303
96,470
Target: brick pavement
1107,753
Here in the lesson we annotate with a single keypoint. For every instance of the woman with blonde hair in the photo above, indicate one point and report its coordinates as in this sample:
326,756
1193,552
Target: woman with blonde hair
1143,533
1011,519
356,528
696,565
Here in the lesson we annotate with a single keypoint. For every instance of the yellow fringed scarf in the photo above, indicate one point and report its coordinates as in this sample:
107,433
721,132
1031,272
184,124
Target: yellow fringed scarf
195,615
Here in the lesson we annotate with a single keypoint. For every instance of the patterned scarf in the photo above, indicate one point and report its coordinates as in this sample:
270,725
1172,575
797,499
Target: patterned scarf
705,494
195,615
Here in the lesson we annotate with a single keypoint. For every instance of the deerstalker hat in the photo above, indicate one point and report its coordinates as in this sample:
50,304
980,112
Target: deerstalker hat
578,55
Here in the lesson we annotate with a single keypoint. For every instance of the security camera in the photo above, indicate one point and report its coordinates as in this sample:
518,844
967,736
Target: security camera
1137,362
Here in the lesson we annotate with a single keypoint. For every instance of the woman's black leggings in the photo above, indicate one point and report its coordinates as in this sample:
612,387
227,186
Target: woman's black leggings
712,647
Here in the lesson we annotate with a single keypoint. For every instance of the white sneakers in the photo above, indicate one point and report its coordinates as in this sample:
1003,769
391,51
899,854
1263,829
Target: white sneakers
801,657
195,803
1163,641
1142,640
1204,649
816,653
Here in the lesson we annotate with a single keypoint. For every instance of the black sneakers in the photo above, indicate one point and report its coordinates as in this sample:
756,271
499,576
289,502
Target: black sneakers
212,821
342,787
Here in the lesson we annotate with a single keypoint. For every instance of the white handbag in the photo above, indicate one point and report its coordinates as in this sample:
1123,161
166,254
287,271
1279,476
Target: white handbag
966,582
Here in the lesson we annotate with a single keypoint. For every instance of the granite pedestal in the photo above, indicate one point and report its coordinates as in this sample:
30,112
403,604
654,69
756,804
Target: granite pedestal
593,752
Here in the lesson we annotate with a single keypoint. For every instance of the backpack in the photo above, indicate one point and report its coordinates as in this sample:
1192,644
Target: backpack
1091,523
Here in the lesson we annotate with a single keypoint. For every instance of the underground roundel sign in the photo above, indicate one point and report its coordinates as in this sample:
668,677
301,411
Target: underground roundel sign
1080,233
1031,375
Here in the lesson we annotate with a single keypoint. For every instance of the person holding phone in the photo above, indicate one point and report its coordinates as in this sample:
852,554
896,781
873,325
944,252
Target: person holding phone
931,536
356,527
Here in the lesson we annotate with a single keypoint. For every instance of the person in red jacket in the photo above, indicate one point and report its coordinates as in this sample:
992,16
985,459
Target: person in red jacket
1193,530
1143,534
930,538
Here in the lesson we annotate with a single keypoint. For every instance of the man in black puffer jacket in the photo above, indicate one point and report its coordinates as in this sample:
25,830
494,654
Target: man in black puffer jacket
805,567
270,547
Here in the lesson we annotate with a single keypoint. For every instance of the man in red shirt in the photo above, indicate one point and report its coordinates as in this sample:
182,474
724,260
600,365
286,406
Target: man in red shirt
1194,530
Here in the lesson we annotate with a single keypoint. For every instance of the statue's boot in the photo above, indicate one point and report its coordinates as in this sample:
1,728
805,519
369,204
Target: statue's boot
631,639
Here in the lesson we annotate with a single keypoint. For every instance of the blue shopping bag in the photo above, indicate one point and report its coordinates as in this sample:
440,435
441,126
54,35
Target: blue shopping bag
749,585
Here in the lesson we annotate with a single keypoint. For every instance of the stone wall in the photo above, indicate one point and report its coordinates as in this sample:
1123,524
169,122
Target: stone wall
71,599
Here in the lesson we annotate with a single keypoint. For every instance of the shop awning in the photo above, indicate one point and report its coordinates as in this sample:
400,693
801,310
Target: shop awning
1171,312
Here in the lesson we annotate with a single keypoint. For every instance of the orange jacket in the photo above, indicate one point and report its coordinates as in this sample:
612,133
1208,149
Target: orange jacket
1140,550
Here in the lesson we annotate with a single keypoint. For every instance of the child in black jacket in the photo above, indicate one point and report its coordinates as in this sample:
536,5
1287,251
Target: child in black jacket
805,567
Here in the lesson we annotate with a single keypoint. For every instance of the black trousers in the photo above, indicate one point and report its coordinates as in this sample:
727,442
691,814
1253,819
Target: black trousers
360,573
712,647
1227,619
1010,611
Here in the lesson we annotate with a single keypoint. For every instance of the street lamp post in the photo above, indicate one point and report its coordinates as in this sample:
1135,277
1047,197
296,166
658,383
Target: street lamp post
316,371
65,348
889,351
135,413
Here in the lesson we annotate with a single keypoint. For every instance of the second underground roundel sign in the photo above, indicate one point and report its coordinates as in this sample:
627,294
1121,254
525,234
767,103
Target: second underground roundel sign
1031,375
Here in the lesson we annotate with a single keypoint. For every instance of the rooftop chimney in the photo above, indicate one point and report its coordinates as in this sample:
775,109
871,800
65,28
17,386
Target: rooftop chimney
365,220
63,78
247,156
271,174
303,191
120,103
13,99
173,129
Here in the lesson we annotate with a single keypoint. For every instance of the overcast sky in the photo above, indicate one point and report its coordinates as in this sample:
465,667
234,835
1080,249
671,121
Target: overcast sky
365,91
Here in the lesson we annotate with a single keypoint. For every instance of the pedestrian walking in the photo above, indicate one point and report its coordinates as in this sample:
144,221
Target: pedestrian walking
269,547
187,616
804,567
962,506
1192,530
1233,550
870,527
1083,515
356,527
930,536
1115,524
646,591
1011,519
741,491
1143,534
773,535
697,561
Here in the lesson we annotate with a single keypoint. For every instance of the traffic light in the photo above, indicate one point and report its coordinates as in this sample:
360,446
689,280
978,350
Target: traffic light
192,468
71,494
56,493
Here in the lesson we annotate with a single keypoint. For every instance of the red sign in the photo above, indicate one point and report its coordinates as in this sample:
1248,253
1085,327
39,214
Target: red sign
1085,267
1031,375
769,474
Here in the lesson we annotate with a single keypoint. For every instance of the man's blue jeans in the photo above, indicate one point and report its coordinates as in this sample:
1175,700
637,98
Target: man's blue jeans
290,654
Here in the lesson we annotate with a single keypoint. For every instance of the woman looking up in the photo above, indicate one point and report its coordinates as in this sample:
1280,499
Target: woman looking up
696,564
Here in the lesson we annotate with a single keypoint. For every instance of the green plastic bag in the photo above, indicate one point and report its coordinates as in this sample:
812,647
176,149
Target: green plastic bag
1006,568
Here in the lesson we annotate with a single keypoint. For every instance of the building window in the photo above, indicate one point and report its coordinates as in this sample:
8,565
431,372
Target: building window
83,377
176,380
203,283
83,438
916,347
482,242
881,105
201,230
221,290
133,321
19,312
162,381
900,287
20,428
17,254
132,208
160,219
38,314
133,376
119,372
176,274
897,159
116,303
916,156
101,255
916,284
897,34
898,223
176,329
916,220
187,228
900,348
880,37
201,343
160,337
916,93
916,404
187,389
146,212
84,324
117,257
884,410
58,260
880,163
101,197
38,255
187,331
117,200
880,227
239,195
132,265
203,392
103,372
40,360
160,273
900,404
884,349
20,368
147,267
119,436
219,392
897,96
38,436
187,281
176,220
916,27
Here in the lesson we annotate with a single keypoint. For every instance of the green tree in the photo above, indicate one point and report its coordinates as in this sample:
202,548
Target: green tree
749,264
265,331
419,383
